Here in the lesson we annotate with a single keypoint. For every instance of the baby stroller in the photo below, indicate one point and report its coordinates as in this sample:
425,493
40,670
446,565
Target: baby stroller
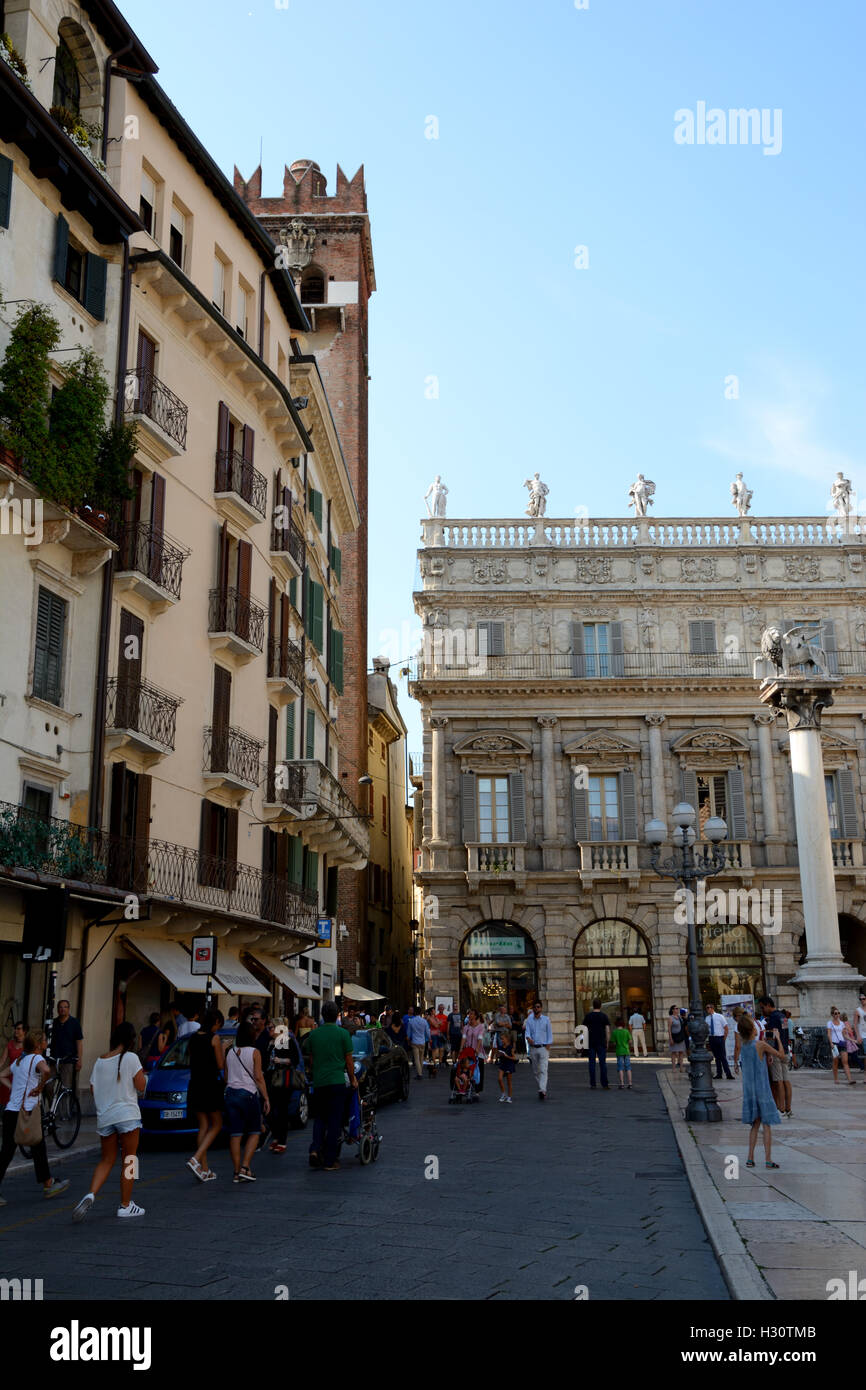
359,1128
465,1079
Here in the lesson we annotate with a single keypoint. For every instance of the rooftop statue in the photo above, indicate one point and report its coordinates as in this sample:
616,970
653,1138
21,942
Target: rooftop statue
641,495
741,496
538,491
842,495
439,493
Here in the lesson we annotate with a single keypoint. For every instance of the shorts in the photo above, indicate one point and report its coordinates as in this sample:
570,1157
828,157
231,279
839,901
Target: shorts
776,1069
436,1042
623,1063
244,1112
122,1127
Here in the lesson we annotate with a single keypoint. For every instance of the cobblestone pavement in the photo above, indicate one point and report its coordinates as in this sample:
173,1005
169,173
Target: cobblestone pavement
531,1201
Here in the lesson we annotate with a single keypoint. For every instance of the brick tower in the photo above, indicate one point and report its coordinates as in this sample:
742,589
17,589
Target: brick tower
335,276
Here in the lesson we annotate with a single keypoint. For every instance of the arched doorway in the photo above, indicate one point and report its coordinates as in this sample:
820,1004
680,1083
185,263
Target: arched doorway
852,939
611,963
729,961
497,961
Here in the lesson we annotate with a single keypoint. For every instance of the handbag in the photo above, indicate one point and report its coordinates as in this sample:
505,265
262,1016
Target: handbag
28,1128
850,1045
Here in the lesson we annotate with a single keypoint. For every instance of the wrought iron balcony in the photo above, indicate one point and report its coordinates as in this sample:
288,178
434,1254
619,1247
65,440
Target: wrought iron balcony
236,614
138,708
286,663
285,785
235,474
144,394
50,846
288,541
232,755
333,823
149,553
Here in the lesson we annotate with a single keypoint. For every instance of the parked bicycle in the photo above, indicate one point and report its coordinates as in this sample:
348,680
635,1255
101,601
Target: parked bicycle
61,1113
812,1050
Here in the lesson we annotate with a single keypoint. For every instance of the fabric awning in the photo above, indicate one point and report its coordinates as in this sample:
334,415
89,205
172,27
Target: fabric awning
287,975
360,994
169,959
234,978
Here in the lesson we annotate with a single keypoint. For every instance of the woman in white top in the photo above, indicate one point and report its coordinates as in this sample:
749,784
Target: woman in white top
29,1076
836,1038
116,1082
246,1096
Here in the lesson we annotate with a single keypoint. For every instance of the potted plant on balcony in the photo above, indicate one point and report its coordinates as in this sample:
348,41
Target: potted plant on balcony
82,133
10,55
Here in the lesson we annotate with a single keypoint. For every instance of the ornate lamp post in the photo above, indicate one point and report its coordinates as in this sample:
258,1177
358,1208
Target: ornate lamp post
686,867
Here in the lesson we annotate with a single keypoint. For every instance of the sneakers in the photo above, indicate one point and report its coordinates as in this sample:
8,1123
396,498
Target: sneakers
508,1100
126,1213
55,1187
84,1206
503,1098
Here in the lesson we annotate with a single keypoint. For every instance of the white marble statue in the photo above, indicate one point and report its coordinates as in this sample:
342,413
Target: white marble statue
537,496
439,493
641,495
795,652
842,495
130,392
741,496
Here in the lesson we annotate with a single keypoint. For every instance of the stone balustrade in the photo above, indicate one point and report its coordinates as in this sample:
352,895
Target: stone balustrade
625,533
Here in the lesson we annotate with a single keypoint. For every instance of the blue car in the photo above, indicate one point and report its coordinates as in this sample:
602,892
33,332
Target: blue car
163,1105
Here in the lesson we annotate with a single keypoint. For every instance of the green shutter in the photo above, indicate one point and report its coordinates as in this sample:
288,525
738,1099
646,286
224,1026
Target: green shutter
335,666
95,275
337,562
310,751
314,502
6,167
311,870
61,248
316,616
295,870
48,654
293,592
290,733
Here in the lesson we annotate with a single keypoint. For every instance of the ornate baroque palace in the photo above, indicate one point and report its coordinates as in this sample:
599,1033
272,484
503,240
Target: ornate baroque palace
580,677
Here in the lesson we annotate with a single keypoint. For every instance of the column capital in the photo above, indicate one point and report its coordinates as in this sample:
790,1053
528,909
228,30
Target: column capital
655,720
765,716
547,721
801,701
439,721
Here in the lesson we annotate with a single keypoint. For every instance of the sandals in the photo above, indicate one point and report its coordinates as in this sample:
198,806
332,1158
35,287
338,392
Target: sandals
771,1165
750,1163
195,1168
278,1148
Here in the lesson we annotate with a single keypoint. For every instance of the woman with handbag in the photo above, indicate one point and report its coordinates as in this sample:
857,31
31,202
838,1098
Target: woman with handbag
206,1089
836,1038
246,1097
282,1077
22,1118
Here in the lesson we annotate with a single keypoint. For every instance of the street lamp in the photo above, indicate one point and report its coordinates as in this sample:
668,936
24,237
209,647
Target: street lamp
686,866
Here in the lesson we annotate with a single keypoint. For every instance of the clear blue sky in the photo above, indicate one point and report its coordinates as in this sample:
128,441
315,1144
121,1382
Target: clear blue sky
556,129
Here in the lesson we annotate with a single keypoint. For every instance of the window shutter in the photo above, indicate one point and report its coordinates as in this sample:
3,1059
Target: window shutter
314,501
317,615
222,695
290,733
6,167
95,277
702,638
331,893
272,625
737,802
628,805
311,735
311,870
293,592
222,445
828,642
245,567
578,660
61,248
617,657
272,744
129,667
337,562
337,659
282,856
296,859
204,837
580,810
118,782
142,808
284,633
517,798
249,445
48,653
468,808
689,787
231,873
847,801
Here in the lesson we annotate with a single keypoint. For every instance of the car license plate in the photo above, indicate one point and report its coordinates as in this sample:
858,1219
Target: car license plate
172,1114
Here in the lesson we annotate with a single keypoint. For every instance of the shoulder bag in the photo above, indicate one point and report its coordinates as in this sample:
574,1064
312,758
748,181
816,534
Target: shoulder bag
28,1129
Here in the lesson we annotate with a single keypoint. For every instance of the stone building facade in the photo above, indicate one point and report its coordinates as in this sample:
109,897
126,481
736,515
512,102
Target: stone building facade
580,678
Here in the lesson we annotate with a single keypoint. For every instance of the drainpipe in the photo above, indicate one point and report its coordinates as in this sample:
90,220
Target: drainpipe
106,104
262,281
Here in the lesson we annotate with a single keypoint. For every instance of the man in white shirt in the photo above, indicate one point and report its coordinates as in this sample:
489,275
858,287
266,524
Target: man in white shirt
718,1028
539,1036
860,1022
637,1024
189,1025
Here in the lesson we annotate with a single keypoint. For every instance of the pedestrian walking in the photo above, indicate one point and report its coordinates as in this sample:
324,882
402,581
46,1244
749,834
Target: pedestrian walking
146,1037
836,1038
676,1038
621,1039
162,1040
539,1039
396,1032
455,1033
860,1023
305,1024
329,1049
11,1052
438,1041
67,1043
852,1042
418,1033
717,1026
502,1021
473,1037
29,1075
206,1097
246,1097
116,1082
598,1036
284,1061
190,1025
637,1024
505,1060
759,1108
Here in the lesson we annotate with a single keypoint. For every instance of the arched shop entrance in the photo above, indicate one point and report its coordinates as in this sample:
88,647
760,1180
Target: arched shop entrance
497,961
611,963
729,961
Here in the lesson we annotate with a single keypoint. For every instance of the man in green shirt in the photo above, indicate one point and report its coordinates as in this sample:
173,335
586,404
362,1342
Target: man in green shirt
621,1039
328,1050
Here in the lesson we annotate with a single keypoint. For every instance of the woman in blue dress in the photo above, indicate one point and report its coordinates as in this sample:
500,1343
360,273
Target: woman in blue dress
758,1104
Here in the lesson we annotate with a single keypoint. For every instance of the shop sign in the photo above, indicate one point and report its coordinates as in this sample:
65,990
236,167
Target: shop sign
478,945
203,955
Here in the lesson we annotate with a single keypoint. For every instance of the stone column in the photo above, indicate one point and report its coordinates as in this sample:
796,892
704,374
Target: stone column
765,721
551,848
657,772
824,977
438,839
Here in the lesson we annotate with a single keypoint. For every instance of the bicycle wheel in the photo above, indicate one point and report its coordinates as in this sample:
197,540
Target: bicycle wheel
67,1119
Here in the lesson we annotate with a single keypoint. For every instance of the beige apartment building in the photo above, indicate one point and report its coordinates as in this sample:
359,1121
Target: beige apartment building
580,678
390,868
217,806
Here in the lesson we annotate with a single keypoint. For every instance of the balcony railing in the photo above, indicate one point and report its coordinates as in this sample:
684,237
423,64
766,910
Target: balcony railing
285,662
149,552
608,856
145,394
288,540
464,664
847,854
231,753
50,846
231,611
236,474
322,793
618,533
143,708
495,859
285,785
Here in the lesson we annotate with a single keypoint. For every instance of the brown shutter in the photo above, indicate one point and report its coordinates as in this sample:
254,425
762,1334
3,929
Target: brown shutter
272,752
223,463
146,366
157,526
249,443
118,778
245,566
222,696
223,562
231,875
207,872
284,634
128,692
272,623
141,836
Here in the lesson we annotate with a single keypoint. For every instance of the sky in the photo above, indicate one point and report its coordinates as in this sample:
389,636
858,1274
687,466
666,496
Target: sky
565,282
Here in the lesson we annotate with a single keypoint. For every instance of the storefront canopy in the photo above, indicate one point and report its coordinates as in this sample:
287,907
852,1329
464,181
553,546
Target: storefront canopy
169,959
360,994
292,979
233,978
